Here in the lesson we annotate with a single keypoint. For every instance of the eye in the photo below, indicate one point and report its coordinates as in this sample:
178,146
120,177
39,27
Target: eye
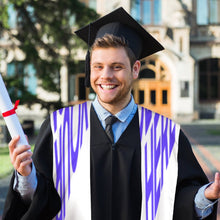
97,67
117,67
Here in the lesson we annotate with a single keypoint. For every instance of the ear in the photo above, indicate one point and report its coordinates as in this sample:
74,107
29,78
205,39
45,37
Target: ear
136,69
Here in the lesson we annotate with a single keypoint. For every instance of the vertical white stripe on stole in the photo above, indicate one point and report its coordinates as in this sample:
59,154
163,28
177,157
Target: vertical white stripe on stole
158,175
71,170
167,198
146,138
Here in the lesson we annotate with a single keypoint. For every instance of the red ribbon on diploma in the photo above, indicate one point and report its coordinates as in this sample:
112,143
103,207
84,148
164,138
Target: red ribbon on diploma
12,111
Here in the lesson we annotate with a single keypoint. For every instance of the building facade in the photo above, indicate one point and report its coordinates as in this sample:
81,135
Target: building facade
183,81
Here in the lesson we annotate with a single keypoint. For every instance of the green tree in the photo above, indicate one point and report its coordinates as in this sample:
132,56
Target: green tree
44,27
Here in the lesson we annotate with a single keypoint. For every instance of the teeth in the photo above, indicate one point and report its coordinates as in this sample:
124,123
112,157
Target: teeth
108,86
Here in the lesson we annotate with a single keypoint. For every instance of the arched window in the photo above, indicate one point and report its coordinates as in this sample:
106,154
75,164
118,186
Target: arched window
209,80
153,69
147,74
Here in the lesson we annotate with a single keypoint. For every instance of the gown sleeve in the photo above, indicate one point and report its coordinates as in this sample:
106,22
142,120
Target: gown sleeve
190,178
46,201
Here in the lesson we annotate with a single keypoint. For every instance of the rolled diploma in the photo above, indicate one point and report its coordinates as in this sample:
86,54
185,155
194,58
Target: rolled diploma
12,122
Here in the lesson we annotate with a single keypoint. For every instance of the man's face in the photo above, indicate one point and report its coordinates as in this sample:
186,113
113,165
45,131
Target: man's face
112,76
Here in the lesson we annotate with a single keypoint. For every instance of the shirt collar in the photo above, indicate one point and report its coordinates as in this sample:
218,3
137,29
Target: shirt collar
122,115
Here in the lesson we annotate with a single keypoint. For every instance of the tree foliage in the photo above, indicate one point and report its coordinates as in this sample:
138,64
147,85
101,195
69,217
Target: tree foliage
45,33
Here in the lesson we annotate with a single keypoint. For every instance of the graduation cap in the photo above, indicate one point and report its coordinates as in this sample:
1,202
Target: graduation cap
120,24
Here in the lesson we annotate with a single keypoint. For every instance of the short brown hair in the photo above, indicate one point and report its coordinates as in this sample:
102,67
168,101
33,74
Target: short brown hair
109,40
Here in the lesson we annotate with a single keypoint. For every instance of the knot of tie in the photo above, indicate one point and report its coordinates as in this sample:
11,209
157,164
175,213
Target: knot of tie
109,121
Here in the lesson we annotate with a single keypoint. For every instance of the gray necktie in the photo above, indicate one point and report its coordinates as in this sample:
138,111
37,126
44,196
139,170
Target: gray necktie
108,128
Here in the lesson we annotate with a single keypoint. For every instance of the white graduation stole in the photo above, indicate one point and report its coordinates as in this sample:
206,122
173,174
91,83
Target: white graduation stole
71,162
159,165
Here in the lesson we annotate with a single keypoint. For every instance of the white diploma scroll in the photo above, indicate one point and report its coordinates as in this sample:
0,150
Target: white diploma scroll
12,121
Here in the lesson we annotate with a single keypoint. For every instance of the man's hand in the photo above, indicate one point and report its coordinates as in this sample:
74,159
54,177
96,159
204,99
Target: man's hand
20,157
212,192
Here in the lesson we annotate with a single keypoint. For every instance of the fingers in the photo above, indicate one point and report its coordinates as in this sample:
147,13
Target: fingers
12,144
217,177
217,183
214,188
20,156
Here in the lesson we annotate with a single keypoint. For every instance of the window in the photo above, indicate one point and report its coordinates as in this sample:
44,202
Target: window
12,21
181,44
164,97
153,97
30,80
13,15
184,89
208,12
209,80
26,73
146,11
147,74
92,4
141,96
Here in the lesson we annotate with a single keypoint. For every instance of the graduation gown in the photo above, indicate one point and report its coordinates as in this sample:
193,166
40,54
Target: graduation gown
115,178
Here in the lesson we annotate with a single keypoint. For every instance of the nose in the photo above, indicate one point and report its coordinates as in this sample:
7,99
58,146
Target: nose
107,73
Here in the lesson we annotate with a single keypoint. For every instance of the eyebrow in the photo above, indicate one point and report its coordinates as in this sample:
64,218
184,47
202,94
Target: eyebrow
114,63
118,63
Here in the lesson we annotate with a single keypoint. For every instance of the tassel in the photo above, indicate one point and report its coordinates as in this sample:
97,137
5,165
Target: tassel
87,69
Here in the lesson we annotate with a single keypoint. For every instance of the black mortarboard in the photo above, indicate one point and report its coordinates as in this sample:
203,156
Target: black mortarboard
121,24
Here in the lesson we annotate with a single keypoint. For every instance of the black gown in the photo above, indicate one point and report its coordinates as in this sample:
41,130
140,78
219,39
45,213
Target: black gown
115,178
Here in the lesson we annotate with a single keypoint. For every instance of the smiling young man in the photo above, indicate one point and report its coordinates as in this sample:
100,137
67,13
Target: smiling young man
112,74
110,159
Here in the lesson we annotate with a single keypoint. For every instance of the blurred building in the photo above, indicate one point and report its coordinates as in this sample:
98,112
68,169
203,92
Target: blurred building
181,82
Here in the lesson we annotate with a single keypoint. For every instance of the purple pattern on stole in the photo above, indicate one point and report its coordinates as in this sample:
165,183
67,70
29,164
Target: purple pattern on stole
66,126
158,151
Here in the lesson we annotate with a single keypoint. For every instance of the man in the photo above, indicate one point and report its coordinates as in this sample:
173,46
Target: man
141,167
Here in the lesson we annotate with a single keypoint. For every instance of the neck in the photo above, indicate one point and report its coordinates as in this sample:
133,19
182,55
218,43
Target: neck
114,108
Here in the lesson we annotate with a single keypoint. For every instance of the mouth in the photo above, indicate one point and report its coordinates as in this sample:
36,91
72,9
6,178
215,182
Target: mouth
107,87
